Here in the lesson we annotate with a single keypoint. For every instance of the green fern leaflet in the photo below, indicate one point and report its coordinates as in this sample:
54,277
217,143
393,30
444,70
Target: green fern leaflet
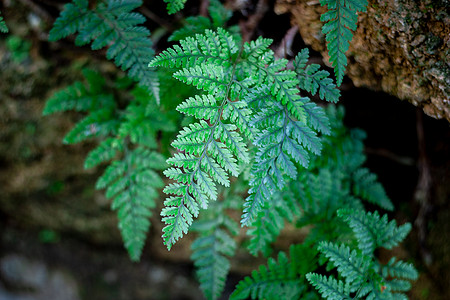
111,24
126,138
340,19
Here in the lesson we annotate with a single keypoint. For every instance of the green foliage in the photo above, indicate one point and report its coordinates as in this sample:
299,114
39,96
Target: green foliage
363,275
3,27
248,95
219,16
282,279
319,191
340,20
374,231
174,6
214,244
111,24
244,117
313,80
19,48
127,137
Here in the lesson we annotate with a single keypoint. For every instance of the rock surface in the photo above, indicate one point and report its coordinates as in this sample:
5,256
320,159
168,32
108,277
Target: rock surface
401,47
33,280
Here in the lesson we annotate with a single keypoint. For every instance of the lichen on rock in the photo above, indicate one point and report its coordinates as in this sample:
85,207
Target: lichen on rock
401,47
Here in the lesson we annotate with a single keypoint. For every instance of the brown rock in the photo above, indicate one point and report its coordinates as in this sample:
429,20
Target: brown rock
400,47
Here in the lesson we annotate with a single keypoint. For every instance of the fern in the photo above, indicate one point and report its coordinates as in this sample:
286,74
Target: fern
234,82
174,6
318,192
364,276
131,183
219,16
111,24
3,27
126,138
211,248
282,279
329,287
313,80
340,19
365,186
270,221
373,231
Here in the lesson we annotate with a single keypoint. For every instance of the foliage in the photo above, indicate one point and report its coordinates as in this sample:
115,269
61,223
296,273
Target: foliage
214,244
235,83
361,272
112,24
3,27
127,137
340,20
18,47
250,144
219,16
282,279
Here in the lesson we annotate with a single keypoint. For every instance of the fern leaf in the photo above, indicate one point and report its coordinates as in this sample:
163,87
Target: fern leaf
98,123
282,139
3,27
353,266
401,269
212,147
340,19
313,80
329,287
270,221
174,6
106,151
212,247
112,24
316,117
373,231
132,183
365,185
280,279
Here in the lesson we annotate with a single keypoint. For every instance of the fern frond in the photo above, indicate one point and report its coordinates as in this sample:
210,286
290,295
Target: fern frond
340,19
3,27
219,15
105,151
365,185
353,266
270,221
282,138
373,231
99,123
233,81
207,48
174,6
112,24
329,287
212,247
212,147
132,184
81,97
313,80
282,279
398,268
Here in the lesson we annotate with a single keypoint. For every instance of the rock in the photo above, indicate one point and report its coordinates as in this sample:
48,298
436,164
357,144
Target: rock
401,47
30,279
20,272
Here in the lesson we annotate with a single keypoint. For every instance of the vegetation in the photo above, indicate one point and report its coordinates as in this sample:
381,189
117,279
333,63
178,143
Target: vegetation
249,142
